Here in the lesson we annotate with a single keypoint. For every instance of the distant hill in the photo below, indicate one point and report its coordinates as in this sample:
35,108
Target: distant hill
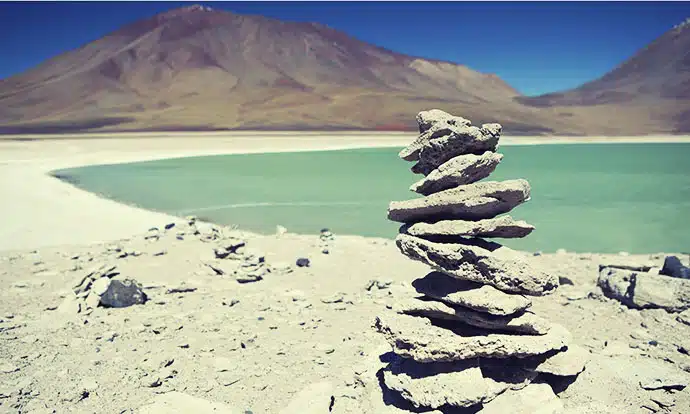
195,68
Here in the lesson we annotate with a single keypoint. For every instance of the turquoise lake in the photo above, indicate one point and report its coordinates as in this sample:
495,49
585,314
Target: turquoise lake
585,197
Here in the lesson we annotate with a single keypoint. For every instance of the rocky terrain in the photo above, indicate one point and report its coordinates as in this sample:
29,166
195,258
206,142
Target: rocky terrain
300,335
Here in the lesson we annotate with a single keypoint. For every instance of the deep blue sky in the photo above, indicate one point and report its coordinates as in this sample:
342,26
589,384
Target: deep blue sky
537,47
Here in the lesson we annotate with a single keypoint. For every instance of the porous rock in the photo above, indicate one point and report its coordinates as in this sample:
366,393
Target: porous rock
482,262
425,119
525,322
477,201
461,170
455,384
416,338
503,226
472,295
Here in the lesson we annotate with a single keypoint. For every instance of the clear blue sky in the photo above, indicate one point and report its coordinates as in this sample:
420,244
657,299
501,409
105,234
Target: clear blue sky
537,47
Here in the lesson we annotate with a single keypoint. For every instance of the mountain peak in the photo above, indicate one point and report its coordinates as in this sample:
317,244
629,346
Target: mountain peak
194,8
682,25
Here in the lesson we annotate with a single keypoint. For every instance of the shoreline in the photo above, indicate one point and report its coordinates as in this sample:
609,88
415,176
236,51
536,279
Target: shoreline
42,207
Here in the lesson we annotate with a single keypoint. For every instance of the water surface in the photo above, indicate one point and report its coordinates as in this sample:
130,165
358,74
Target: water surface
585,197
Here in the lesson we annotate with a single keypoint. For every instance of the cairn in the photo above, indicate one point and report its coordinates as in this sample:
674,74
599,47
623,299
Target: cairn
470,335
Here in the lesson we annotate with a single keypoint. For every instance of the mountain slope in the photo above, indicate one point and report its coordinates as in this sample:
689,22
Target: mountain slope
657,78
197,68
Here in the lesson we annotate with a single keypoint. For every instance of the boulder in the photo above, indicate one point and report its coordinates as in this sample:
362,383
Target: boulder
503,226
482,298
481,262
123,293
526,322
642,290
473,202
461,170
417,338
674,268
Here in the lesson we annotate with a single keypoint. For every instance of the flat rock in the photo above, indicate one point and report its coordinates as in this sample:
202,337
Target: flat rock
666,377
642,290
461,170
123,293
504,227
482,298
455,384
481,262
535,398
176,402
526,322
566,363
475,201
417,338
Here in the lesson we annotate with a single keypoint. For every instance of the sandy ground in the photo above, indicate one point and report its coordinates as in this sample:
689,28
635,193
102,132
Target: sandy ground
296,337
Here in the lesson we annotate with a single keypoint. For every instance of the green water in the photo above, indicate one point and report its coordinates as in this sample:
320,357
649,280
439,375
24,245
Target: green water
585,198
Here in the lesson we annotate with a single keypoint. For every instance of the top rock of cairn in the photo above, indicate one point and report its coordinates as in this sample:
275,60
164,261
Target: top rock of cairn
471,323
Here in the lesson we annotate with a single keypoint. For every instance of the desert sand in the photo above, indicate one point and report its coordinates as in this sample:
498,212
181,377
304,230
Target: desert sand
299,340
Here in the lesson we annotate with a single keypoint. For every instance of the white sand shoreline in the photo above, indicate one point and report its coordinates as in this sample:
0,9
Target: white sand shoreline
41,211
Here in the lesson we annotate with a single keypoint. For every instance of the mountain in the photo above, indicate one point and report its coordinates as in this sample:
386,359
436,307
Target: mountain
654,83
195,68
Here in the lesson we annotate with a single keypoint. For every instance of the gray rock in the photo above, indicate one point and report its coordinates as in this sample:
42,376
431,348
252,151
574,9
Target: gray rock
123,293
461,170
445,140
475,201
482,298
645,290
455,384
535,398
481,262
71,305
525,322
566,363
666,377
503,226
674,268
425,119
417,338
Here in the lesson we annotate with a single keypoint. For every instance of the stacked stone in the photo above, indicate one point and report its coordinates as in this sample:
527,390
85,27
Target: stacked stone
470,336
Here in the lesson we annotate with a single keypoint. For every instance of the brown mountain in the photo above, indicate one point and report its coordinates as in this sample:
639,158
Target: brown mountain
196,68
654,83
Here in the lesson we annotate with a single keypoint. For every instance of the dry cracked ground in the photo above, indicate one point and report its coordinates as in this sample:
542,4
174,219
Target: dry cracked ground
289,339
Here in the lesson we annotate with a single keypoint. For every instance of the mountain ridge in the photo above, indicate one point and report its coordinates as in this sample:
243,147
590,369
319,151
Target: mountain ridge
195,67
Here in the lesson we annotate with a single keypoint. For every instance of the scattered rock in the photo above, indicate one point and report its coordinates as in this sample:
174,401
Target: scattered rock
302,262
